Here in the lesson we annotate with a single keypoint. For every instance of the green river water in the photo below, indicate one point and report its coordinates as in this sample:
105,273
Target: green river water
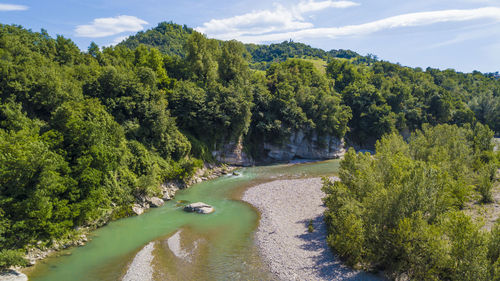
221,243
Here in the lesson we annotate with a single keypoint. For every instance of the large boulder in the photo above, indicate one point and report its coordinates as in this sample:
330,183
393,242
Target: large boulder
12,275
137,209
155,202
199,207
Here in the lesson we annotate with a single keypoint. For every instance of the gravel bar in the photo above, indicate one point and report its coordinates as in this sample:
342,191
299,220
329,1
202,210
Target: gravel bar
289,250
141,269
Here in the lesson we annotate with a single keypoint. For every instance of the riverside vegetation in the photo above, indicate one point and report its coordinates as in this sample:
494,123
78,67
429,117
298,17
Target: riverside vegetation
400,209
84,134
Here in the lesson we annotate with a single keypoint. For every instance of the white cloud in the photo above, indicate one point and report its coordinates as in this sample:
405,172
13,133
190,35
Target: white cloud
12,7
476,32
404,20
278,20
102,27
312,6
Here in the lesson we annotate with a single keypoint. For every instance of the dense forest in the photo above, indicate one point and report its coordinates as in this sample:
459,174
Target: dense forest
388,95
84,134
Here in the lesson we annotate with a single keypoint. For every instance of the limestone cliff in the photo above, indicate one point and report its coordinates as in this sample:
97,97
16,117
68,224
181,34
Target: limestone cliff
300,146
297,146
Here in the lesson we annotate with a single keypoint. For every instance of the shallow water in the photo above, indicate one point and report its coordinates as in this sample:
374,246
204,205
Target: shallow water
220,244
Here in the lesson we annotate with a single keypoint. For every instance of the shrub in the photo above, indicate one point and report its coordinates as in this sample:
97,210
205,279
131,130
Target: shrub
10,258
310,226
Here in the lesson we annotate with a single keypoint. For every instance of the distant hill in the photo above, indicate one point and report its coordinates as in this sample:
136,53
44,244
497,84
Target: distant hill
264,55
169,38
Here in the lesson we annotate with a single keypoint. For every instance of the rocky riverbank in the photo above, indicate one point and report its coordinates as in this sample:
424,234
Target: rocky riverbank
168,189
43,249
292,252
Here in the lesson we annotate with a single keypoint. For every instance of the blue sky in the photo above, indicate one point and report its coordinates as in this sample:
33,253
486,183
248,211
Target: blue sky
459,34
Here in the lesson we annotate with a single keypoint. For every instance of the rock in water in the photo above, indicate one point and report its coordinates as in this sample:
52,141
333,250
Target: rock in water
12,275
156,202
199,207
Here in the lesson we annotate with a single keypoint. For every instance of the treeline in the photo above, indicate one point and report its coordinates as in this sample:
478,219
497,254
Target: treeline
383,96
399,210
386,97
263,56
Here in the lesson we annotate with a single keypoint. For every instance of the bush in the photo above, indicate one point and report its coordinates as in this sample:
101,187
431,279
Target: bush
494,251
486,176
310,226
10,258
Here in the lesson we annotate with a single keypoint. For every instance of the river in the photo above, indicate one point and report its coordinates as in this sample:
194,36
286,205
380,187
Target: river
218,246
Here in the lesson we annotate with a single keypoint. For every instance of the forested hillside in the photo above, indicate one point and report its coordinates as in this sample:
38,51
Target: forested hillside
169,38
84,134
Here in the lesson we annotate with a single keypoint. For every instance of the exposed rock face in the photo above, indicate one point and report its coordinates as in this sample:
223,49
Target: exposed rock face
299,146
155,202
200,208
12,275
232,153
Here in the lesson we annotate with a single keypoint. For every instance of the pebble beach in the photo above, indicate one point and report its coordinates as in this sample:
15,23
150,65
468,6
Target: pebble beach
290,251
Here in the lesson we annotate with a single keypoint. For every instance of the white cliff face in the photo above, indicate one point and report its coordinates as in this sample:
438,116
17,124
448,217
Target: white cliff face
299,146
